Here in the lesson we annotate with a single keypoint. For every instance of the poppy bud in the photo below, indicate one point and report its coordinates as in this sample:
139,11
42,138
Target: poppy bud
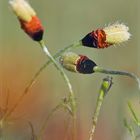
29,22
103,38
77,63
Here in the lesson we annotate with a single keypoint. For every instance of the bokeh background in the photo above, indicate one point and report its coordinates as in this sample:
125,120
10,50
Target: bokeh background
65,22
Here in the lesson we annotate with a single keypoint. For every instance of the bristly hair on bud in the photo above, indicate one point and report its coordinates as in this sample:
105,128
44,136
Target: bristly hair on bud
117,33
105,37
29,22
77,63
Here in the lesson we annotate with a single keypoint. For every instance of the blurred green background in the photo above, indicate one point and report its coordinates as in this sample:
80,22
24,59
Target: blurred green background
65,22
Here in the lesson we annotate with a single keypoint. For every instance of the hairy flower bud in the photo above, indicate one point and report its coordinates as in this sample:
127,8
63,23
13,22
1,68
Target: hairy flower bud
29,22
77,63
103,38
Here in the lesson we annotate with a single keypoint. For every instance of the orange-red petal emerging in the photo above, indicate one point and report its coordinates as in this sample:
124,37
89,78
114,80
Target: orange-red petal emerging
33,28
29,22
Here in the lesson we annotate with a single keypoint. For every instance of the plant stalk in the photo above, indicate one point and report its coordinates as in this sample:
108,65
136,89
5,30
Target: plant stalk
71,96
105,87
114,72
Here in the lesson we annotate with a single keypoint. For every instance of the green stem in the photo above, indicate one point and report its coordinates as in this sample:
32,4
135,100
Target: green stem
113,72
45,49
130,129
136,120
72,96
106,84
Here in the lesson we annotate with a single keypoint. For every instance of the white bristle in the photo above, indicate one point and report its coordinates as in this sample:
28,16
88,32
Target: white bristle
117,33
22,9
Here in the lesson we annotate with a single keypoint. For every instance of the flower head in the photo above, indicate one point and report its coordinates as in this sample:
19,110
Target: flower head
103,38
77,63
29,22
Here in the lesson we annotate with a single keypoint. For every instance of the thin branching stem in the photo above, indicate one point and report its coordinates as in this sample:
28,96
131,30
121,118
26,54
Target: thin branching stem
115,72
135,118
43,128
33,136
71,96
65,105
33,80
45,49
130,129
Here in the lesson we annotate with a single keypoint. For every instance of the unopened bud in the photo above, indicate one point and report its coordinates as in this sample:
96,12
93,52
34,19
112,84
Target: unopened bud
77,63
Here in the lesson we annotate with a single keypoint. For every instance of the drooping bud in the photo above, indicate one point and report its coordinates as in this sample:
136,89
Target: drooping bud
77,63
103,38
29,22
